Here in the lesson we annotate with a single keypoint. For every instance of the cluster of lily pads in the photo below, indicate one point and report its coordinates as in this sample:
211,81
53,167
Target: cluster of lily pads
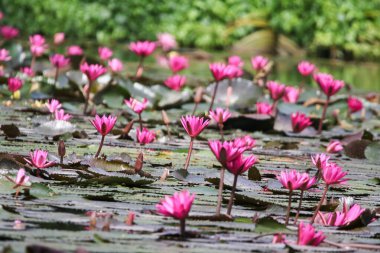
229,153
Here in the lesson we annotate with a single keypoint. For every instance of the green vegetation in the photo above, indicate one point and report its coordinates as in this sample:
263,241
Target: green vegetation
337,28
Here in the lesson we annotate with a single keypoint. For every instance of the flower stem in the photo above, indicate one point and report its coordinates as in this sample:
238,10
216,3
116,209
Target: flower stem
299,207
274,108
189,154
182,226
56,76
140,68
220,192
195,108
33,63
221,131
231,201
17,192
229,93
289,206
87,97
140,120
319,204
323,114
214,95
100,146
302,84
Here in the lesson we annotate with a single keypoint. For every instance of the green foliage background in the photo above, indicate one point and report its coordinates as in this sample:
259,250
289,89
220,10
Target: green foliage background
350,26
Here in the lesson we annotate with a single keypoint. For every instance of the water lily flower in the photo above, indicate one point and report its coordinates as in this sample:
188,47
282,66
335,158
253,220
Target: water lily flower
334,147
276,90
92,71
331,175
279,238
4,55
137,106
175,82
237,167
291,95
103,125
104,53
263,108
14,84
224,152
142,49
308,236
246,142
38,45
338,219
145,136
235,61
321,161
38,159
8,32
305,68
193,126
61,115
177,63
59,61
306,183
166,41
27,71
74,50
354,104
330,87
59,38
259,62
53,105
115,65
177,206
218,70
231,72
20,181
299,122
220,116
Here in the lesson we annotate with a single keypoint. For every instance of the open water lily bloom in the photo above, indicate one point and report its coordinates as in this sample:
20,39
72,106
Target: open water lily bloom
308,236
38,159
194,125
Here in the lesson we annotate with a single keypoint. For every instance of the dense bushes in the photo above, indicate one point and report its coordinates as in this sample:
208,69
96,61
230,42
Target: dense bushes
343,27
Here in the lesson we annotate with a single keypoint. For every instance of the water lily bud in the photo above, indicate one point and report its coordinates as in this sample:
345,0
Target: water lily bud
139,162
165,117
61,149
130,219
128,127
198,95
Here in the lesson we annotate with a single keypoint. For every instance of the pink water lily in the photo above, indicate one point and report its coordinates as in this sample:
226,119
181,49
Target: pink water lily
276,90
246,142
334,147
193,126
338,218
235,61
218,71
332,174
27,71
167,41
14,84
263,108
38,159
145,136
291,95
4,55
61,115
142,49
259,62
308,236
237,167
104,53
177,206
115,65
354,104
321,161
220,115
103,125
137,106
8,32
299,122
53,105
305,68
74,50
38,45
59,60
20,181
177,63
59,38
175,82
